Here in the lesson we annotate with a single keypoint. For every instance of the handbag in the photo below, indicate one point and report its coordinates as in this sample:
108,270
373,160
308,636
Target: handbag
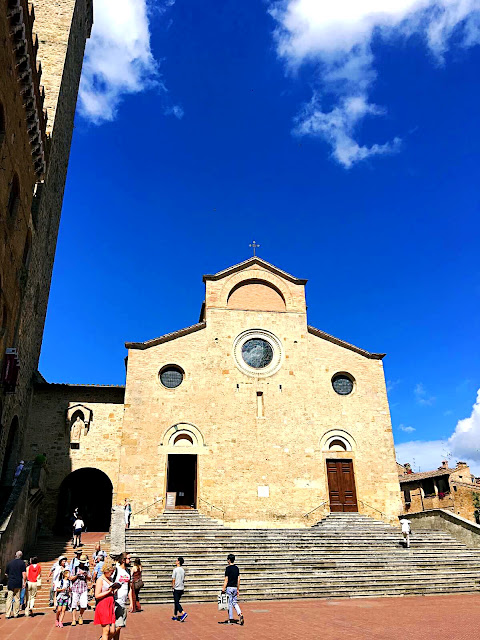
222,601
138,584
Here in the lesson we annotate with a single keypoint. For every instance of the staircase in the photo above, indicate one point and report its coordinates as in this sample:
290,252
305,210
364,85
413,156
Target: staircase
346,554
48,551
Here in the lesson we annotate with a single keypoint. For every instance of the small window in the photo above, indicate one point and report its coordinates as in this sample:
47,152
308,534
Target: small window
428,487
171,376
407,495
183,439
14,197
74,445
342,384
337,445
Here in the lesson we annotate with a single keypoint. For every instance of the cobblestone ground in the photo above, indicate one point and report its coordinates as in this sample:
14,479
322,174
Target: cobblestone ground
455,617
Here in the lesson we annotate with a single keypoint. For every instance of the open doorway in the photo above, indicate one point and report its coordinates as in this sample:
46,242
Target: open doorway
182,478
90,491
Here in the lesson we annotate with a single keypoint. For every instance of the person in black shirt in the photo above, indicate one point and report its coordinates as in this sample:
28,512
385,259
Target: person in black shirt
17,579
231,586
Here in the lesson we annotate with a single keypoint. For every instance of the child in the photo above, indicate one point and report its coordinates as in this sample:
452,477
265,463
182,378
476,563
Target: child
62,593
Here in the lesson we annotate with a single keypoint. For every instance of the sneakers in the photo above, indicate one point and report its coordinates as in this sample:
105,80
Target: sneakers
80,620
183,617
175,618
226,621
74,622
57,624
242,621
60,624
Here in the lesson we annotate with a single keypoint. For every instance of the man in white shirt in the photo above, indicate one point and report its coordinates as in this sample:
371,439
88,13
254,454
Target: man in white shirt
123,595
406,531
78,527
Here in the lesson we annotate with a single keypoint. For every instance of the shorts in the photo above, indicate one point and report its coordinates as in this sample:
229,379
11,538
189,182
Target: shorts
80,600
120,615
77,532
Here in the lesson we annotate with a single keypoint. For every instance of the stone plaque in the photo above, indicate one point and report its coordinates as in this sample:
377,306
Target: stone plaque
171,500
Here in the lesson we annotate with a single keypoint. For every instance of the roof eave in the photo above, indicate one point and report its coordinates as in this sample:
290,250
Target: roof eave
256,260
166,338
341,343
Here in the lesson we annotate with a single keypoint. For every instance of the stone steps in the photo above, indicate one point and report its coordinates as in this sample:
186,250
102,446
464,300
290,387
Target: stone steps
345,555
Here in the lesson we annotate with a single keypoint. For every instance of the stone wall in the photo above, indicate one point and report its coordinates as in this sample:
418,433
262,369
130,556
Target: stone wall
49,433
239,450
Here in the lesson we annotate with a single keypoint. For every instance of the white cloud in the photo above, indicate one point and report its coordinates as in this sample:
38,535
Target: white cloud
403,427
118,58
337,38
176,111
421,395
463,444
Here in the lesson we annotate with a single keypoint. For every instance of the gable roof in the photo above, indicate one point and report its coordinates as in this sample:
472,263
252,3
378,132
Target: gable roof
421,475
167,337
346,345
254,261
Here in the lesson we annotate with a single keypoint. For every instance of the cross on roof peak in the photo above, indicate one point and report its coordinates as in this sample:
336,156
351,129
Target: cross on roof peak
254,246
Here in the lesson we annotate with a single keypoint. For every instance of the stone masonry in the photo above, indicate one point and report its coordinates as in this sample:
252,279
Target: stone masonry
261,438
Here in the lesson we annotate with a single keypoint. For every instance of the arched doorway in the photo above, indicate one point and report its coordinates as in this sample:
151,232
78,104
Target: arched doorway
11,453
90,490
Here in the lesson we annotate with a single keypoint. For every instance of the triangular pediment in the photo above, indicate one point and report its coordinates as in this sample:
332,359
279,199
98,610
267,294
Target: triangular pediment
254,262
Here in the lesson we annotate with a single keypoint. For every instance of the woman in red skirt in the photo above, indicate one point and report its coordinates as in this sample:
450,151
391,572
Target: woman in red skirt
105,608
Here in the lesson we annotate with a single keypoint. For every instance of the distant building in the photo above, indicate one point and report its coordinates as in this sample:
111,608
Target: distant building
41,56
442,488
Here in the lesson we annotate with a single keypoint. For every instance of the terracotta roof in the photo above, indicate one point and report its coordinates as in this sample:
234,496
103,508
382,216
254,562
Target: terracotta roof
421,475
249,262
167,337
346,345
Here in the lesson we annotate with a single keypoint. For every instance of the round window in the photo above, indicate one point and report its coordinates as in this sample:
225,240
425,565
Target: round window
171,377
257,353
343,384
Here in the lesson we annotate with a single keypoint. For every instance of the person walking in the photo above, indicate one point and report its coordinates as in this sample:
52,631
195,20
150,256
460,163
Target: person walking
137,583
97,552
406,529
34,581
105,591
178,586
98,569
80,590
16,572
123,594
128,513
75,561
78,527
63,590
231,586
54,573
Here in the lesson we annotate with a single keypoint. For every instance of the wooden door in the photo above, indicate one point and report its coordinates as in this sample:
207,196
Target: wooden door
341,485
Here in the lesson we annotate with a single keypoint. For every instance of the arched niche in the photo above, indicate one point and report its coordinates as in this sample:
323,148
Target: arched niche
265,277
183,435
337,440
256,295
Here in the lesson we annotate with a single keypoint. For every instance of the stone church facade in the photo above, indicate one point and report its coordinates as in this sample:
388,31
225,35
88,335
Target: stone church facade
250,415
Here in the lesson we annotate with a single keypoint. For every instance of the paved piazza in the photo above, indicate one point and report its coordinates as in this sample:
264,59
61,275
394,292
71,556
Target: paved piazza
410,618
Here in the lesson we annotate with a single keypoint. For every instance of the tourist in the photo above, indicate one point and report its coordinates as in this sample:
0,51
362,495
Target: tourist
137,583
178,586
23,591
34,572
78,527
73,566
98,568
63,589
123,594
231,586
406,532
18,471
54,574
104,596
128,513
16,572
97,552
80,589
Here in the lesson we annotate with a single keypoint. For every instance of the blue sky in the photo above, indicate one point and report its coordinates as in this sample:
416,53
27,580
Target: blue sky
350,153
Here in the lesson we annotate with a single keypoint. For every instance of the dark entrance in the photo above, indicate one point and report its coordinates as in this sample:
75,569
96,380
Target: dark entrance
341,485
182,478
91,491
